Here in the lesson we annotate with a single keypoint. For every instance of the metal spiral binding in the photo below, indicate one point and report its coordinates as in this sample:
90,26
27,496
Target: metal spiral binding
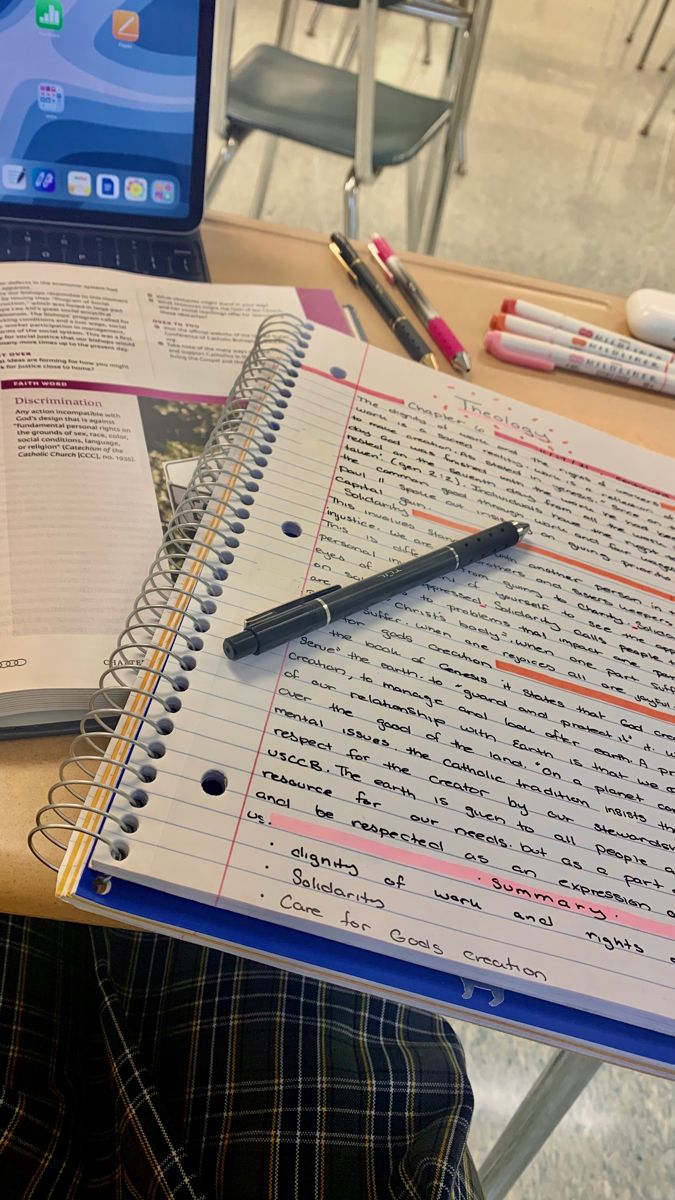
199,544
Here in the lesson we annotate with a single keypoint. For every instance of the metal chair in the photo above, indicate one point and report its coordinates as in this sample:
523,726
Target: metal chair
370,123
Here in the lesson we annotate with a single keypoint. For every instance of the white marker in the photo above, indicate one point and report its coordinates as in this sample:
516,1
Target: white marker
544,356
505,323
595,333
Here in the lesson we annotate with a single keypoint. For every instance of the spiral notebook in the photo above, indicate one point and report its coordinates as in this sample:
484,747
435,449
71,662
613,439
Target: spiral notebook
464,797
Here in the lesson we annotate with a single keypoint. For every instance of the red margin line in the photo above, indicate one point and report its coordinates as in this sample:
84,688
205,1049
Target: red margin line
350,383
283,658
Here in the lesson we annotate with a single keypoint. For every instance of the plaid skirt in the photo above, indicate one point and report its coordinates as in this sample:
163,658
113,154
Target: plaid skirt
138,1066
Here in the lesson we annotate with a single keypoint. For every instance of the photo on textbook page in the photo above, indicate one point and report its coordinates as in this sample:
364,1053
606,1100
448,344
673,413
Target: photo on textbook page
176,432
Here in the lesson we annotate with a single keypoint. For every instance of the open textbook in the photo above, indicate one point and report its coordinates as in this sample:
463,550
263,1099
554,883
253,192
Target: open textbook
109,386
472,783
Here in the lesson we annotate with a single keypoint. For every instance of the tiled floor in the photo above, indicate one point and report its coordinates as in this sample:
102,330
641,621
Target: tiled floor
560,185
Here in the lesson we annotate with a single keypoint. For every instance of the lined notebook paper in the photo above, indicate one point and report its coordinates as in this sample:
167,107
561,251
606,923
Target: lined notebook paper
477,776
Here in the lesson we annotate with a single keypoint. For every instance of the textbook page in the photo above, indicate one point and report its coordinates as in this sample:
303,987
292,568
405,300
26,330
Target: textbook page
478,775
110,386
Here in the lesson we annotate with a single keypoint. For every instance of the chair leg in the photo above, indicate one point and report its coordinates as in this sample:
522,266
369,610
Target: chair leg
561,1082
413,219
314,19
344,35
264,176
461,151
658,105
351,205
226,152
633,29
352,47
458,119
655,29
456,50
427,43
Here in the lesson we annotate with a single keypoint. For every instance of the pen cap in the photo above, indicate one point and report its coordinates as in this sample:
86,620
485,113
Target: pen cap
518,358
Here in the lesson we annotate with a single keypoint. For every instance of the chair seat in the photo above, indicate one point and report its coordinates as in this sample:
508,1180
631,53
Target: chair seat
306,101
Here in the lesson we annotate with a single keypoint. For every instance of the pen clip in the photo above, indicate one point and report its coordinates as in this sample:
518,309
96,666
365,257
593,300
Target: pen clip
381,263
334,250
261,618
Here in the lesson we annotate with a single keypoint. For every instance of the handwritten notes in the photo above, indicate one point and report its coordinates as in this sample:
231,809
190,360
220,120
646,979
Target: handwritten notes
479,774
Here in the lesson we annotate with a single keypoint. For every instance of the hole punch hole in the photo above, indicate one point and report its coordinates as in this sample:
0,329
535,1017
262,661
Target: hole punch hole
156,748
226,556
214,782
165,726
260,461
138,798
291,529
200,623
243,513
214,589
119,851
337,372
195,643
102,885
129,823
251,486
147,772
188,662
173,704
255,474
236,526
208,606
218,573
180,683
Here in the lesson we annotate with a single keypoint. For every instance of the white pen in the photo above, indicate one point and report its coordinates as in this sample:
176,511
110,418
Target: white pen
544,356
596,333
506,323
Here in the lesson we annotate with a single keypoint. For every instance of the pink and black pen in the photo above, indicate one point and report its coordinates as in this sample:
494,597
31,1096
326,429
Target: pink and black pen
449,345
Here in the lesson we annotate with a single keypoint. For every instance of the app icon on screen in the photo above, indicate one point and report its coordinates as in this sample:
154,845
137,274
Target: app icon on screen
51,97
49,15
108,187
79,183
164,191
135,188
14,177
126,26
44,180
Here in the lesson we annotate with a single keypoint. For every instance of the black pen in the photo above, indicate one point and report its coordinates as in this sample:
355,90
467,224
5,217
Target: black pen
401,327
291,620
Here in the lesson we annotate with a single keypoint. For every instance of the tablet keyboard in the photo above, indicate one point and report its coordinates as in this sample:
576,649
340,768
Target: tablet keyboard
178,258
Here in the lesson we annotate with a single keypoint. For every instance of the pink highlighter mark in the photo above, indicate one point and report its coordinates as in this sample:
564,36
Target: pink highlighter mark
351,384
452,870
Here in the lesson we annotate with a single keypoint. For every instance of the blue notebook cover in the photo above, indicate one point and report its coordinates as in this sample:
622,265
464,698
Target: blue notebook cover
402,981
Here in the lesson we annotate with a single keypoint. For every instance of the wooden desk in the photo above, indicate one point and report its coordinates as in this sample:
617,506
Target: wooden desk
243,251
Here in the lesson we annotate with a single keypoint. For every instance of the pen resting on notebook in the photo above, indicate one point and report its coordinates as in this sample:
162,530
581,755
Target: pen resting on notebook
297,617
